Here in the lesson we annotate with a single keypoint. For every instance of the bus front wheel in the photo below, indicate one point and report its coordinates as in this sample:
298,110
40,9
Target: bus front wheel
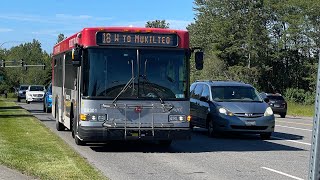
78,141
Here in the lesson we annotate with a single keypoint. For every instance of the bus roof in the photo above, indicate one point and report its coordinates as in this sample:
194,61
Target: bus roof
151,37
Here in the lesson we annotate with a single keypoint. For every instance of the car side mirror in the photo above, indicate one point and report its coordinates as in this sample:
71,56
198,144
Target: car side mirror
266,100
204,99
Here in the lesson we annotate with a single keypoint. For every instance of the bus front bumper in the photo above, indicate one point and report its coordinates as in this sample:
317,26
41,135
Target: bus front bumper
101,134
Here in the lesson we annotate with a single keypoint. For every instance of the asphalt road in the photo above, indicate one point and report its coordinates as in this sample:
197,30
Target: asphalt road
285,156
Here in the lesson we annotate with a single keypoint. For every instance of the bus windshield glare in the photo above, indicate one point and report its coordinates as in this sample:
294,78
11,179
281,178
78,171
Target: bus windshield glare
150,74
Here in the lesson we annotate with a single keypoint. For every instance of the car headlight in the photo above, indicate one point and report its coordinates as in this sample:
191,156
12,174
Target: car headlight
268,112
20,92
177,118
225,111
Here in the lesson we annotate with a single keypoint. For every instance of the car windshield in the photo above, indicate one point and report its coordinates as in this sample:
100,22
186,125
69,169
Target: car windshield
235,93
36,88
148,73
23,87
275,97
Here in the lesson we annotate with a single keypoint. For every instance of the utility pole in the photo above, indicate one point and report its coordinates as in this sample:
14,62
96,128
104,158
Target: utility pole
314,167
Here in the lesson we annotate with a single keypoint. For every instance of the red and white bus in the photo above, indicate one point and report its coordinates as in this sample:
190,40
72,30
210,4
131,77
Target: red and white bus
123,83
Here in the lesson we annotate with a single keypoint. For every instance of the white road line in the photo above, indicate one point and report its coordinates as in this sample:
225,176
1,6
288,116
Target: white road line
291,140
295,128
282,173
294,123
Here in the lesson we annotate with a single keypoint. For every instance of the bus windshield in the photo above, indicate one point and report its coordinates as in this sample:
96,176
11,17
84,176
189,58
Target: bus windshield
148,73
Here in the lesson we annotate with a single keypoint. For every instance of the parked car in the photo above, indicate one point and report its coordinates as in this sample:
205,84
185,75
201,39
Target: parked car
35,93
47,101
228,106
21,92
277,103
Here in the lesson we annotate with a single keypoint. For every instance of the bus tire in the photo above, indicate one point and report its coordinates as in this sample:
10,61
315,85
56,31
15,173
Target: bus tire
78,141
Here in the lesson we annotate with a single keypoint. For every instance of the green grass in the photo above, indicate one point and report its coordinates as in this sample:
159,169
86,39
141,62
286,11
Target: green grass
30,147
296,109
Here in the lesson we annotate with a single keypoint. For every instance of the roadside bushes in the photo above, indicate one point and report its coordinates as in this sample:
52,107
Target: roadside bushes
300,96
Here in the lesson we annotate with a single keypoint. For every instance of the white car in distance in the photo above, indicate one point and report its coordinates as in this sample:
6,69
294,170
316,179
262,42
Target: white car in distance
35,93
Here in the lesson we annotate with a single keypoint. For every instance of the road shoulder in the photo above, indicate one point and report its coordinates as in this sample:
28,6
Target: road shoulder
7,173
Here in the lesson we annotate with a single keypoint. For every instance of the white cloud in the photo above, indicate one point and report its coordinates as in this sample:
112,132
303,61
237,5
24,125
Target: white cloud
22,17
56,19
5,30
81,17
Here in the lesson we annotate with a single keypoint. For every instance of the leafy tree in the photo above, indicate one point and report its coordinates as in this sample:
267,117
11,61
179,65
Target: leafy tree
157,24
31,53
61,37
271,44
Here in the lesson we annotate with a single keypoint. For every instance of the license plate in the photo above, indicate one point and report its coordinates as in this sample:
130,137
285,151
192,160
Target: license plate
276,105
250,122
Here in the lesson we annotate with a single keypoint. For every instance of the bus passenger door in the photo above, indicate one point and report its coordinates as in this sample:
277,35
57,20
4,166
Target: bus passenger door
66,91
63,97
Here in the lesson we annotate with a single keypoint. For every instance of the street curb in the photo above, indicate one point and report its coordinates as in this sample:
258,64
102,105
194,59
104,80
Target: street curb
10,174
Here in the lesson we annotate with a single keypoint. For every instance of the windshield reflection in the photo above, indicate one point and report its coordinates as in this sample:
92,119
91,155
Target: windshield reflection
156,74
235,93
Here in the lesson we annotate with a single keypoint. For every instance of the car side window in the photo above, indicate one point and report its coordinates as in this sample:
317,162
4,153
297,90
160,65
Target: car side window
205,92
198,91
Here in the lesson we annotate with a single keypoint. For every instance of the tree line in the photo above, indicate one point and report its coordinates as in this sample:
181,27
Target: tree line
271,44
31,53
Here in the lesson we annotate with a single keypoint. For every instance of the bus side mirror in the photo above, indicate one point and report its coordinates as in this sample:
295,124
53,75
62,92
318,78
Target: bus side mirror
199,60
76,56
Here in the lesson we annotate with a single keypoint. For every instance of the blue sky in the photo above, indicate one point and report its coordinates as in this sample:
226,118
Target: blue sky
21,21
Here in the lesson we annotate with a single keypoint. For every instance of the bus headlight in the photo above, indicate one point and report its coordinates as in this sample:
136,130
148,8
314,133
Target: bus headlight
93,117
177,118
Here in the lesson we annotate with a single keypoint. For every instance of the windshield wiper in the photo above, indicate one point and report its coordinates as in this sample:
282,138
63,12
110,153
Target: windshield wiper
127,85
144,77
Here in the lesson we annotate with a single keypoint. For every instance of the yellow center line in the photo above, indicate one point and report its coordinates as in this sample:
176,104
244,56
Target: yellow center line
294,123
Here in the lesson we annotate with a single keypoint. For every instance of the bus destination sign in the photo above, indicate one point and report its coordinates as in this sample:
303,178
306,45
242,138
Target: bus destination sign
137,39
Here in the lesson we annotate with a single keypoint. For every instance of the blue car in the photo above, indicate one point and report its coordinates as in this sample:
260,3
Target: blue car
47,102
